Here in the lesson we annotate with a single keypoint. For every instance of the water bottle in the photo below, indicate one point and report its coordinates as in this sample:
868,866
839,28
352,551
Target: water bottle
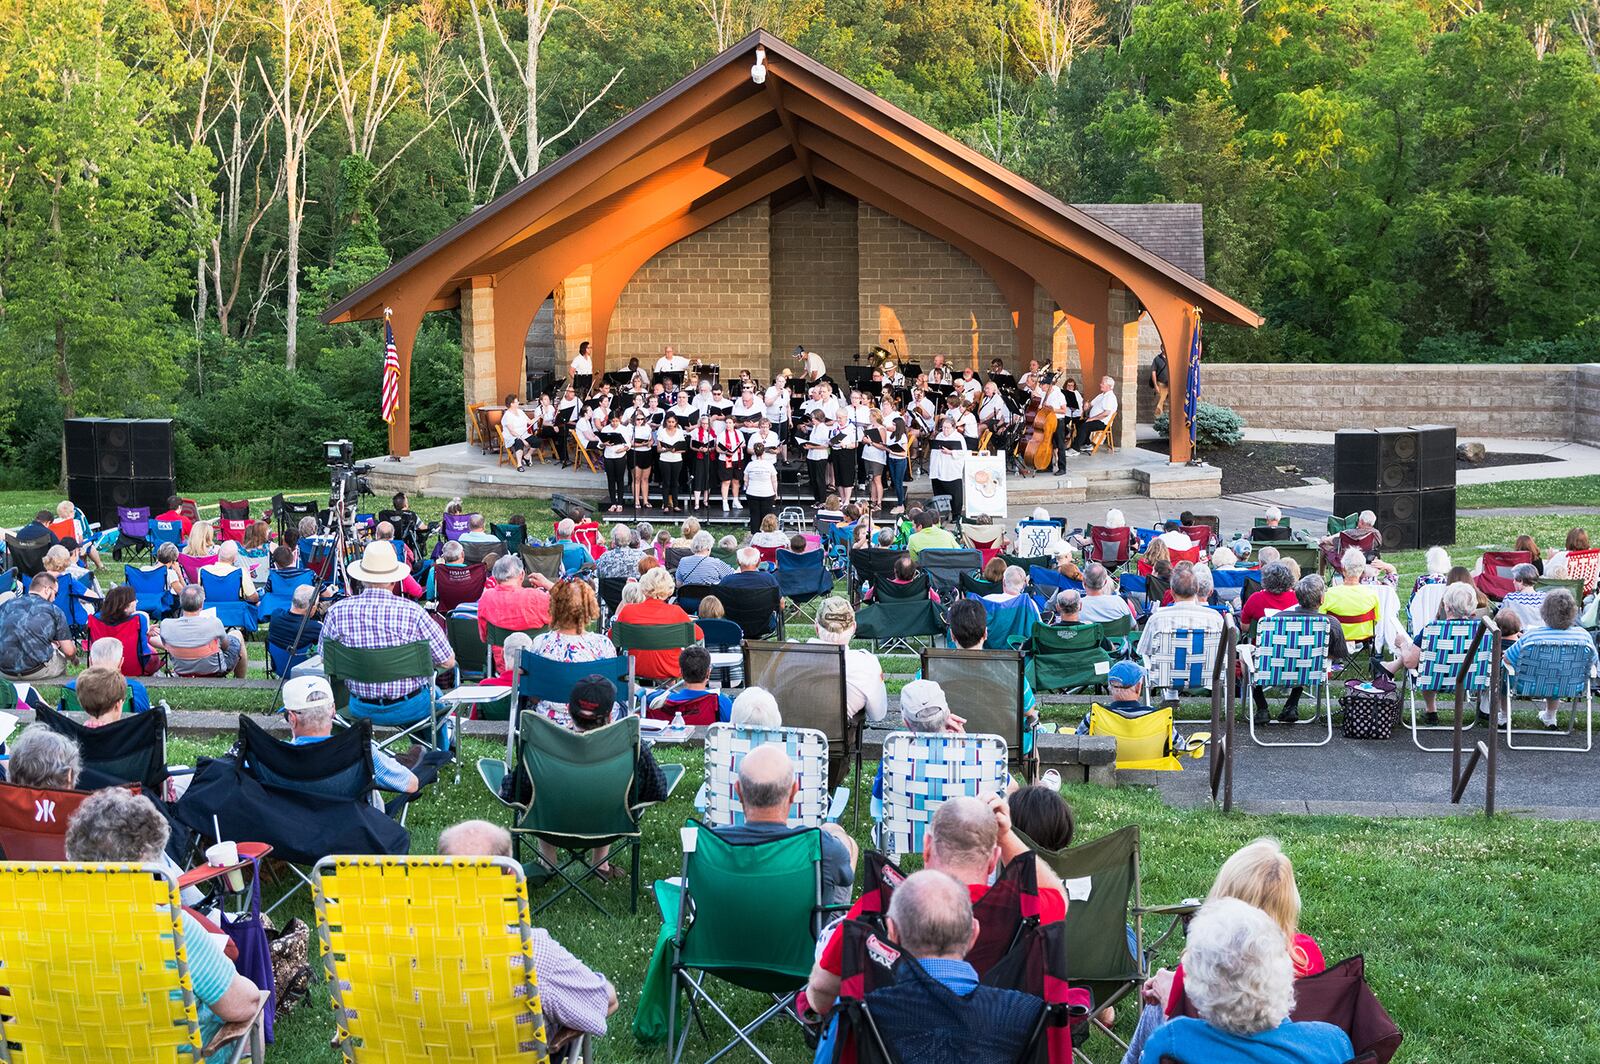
677,727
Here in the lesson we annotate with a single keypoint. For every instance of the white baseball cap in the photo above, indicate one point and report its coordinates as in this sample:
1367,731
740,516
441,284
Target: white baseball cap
306,692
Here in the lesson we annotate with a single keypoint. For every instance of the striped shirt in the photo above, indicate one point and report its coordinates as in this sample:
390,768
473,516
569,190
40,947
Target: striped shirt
1545,636
378,618
210,975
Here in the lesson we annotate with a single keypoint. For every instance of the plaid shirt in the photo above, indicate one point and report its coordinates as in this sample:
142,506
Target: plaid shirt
379,618
573,996
619,561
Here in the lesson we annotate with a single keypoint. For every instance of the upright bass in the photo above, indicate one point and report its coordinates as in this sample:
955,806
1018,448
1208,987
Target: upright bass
1039,433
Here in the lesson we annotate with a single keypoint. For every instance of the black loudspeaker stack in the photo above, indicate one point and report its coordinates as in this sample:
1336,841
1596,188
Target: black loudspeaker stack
1407,476
114,462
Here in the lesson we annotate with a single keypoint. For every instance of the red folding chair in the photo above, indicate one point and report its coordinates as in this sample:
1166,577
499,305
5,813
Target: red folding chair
455,585
33,821
697,712
1494,577
233,530
1110,546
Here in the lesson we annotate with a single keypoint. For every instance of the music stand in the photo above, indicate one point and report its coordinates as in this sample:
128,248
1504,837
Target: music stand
673,377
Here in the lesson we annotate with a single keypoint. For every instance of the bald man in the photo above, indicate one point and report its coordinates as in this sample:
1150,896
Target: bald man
767,788
967,839
576,999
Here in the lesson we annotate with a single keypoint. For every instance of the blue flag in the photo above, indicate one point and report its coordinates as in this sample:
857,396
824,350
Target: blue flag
1191,395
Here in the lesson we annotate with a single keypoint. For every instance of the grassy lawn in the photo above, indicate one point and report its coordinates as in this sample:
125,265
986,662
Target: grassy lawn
1560,491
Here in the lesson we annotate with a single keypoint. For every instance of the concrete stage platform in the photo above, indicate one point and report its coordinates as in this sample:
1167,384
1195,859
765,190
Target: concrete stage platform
463,469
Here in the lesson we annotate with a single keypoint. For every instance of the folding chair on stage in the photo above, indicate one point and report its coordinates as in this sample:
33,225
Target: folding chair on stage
1444,646
118,993
1292,652
1064,659
431,958
1553,670
726,746
921,772
578,798
989,689
747,914
808,681
898,614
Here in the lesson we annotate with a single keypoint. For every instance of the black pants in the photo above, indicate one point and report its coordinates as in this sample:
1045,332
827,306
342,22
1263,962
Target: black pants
671,475
557,437
759,506
819,478
951,488
1290,704
617,486
1063,440
1085,429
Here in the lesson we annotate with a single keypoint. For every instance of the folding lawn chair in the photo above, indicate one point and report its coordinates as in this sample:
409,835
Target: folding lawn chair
1147,742
409,661
457,585
1584,565
27,555
726,746
133,530
277,596
1183,660
511,537
702,711
1444,645
1066,658
973,585
755,610
33,821
808,680
289,514
629,639
1494,577
150,590
1292,651
1010,626
537,679
454,526
135,640
224,597
578,798
1358,609
747,914
1110,547
1230,585
921,772
803,580
130,750
989,689
431,958
1102,880
118,993
869,567
546,561
899,614
1553,670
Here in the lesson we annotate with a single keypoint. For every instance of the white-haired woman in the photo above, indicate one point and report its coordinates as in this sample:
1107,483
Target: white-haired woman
755,708
1436,565
1240,979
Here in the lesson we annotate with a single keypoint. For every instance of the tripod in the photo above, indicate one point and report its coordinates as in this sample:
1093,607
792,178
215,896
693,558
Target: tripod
342,532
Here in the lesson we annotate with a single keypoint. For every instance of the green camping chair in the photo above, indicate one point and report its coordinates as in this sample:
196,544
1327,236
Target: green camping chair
511,537
1103,878
1117,635
578,798
629,638
1062,659
409,661
546,561
752,921
472,654
898,614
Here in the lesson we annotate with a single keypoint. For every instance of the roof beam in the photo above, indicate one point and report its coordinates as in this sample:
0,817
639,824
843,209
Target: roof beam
775,94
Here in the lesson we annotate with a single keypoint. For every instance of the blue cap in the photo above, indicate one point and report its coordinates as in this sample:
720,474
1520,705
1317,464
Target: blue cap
1126,674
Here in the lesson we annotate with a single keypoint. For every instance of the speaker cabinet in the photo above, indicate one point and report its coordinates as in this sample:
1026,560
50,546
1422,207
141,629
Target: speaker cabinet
1436,457
113,448
1436,525
1398,514
80,447
1397,459
84,491
1355,460
151,444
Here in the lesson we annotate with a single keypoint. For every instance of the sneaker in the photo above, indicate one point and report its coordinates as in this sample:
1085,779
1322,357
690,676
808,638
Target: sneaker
1548,719
1051,778
1289,716
1431,719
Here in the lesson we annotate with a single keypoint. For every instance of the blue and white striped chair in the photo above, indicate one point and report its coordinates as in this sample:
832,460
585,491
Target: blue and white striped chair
922,771
1553,670
726,746
1444,645
1182,659
1291,650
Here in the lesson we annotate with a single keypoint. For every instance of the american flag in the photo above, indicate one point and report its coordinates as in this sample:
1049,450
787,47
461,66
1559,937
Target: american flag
389,398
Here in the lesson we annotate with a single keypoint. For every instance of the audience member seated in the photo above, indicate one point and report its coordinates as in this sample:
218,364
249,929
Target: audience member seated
755,708
967,839
622,560
574,555
1457,603
1066,608
196,642
930,534
1173,537
750,576
924,709
575,999
654,609
695,664
35,640
107,653
1366,529
380,618
308,708
573,608
1125,683
383,532
904,572
769,536
1187,611
43,759
1041,815
1435,573
175,512
120,607
101,694
295,632
516,601
1275,596
1558,616
1101,600
201,541
767,787
1528,598
1577,540
1240,980
1013,589
76,595
968,630
1154,557
167,558
477,532
38,529
227,564
452,554
863,674
119,826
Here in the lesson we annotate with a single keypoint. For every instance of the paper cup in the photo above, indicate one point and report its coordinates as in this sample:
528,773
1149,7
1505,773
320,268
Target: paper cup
222,854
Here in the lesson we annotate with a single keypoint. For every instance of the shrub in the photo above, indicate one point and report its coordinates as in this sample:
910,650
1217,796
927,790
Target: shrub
1216,426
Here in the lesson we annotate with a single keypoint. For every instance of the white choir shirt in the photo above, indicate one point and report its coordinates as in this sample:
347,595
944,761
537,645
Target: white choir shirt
942,466
871,452
1056,400
618,449
777,403
515,424
761,477
588,432
894,436
675,364
818,438
581,366
849,434
683,409
830,407
861,416
770,441
640,434
669,436
749,406
1103,406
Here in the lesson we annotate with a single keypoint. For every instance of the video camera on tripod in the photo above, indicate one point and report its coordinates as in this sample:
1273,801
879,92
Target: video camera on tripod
347,480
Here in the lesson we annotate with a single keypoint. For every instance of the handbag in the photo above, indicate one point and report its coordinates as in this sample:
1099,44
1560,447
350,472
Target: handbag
249,937
1369,713
291,968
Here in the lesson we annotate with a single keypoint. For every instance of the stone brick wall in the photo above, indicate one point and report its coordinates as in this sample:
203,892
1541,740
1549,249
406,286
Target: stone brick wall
1473,398
477,349
814,283
928,296
707,295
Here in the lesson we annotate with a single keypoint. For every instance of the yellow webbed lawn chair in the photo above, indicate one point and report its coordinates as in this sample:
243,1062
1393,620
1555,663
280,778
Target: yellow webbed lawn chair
95,969
1146,742
430,959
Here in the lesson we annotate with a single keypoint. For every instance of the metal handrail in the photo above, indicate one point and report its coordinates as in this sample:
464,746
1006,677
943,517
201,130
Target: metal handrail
1223,707
1460,776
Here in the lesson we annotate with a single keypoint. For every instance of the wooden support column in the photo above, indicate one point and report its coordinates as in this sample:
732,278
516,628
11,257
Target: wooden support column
477,347
1174,320
406,321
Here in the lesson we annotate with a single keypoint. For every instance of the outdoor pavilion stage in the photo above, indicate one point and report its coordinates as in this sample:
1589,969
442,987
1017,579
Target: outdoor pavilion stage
464,469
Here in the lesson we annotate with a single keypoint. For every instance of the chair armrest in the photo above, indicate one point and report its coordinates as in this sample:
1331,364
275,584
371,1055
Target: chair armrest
837,805
492,771
1186,908
702,798
240,1032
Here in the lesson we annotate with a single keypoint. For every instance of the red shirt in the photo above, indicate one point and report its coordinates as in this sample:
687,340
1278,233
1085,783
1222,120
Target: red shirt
1052,909
513,608
186,523
1257,605
657,664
